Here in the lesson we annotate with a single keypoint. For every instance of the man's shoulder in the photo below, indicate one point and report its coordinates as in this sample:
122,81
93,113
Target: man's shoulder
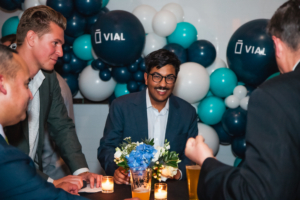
128,98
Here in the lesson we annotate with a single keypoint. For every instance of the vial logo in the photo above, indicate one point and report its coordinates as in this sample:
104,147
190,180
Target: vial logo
238,47
98,36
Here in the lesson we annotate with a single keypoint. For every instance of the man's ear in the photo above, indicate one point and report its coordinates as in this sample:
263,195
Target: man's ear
2,88
146,78
30,37
278,45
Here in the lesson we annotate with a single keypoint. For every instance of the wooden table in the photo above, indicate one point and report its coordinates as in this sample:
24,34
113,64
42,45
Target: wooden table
177,190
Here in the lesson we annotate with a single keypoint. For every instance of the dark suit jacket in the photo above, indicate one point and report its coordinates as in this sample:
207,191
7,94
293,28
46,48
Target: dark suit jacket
271,169
53,114
19,180
128,118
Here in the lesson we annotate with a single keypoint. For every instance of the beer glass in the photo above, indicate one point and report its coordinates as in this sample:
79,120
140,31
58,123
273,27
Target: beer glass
141,183
192,173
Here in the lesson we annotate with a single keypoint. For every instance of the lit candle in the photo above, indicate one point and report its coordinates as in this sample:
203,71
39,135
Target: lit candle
107,184
160,191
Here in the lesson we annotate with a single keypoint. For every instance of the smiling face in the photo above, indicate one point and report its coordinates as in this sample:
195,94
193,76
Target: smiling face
160,92
48,47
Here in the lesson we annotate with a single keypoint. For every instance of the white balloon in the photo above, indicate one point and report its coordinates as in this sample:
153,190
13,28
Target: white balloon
145,14
164,23
195,105
210,136
153,43
20,15
176,9
192,83
232,101
94,54
218,63
240,91
244,102
43,2
31,3
92,87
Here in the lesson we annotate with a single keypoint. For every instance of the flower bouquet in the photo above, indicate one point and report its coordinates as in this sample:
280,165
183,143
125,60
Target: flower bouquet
142,155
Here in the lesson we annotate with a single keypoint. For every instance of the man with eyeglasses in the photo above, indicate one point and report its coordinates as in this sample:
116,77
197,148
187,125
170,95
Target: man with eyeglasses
152,113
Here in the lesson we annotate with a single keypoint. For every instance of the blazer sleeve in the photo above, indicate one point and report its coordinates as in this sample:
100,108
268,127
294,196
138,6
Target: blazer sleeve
192,132
271,166
62,130
112,137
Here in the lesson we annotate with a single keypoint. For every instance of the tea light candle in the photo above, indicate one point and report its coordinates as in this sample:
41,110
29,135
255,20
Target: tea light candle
160,191
107,184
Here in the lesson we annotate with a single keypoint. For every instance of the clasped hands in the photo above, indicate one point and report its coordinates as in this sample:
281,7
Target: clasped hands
73,184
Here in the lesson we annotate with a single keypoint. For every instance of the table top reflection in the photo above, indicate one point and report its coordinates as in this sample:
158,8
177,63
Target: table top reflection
176,190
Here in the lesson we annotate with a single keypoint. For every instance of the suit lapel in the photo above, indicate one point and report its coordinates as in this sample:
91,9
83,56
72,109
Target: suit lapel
173,118
140,113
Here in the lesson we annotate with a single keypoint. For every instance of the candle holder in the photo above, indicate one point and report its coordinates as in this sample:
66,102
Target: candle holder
107,184
160,191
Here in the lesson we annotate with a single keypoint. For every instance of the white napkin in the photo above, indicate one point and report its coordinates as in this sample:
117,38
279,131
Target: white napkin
88,189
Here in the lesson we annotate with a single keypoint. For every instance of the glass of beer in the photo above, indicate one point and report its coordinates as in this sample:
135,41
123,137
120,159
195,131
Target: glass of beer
192,173
141,183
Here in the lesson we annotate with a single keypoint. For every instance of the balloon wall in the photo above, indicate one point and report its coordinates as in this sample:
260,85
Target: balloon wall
104,59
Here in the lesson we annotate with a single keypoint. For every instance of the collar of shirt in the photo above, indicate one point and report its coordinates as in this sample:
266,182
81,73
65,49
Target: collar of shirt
2,132
296,65
35,84
149,104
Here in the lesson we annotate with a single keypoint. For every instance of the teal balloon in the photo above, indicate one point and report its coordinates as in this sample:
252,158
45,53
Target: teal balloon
211,110
90,62
222,82
185,34
82,47
273,75
121,89
237,161
10,26
104,3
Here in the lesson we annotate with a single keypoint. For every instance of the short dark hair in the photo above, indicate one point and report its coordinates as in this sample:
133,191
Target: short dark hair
8,66
38,19
160,58
285,24
8,38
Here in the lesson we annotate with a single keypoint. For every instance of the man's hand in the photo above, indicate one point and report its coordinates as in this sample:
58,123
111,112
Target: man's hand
76,180
68,187
121,176
91,178
197,151
176,177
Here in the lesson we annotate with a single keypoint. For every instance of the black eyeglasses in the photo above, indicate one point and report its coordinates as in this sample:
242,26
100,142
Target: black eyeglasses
156,77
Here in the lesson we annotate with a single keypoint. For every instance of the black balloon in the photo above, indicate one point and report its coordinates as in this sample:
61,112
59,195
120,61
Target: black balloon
133,67
202,52
18,3
88,7
66,48
67,57
250,89
121,74
178,50
250,53
72,81
142,87
75,25
234,121
98,64
142,65
91,20
8,5
224,137
138,76
105,74
66,68
65,7
118,38
69,40
238,146
77,65
132,86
